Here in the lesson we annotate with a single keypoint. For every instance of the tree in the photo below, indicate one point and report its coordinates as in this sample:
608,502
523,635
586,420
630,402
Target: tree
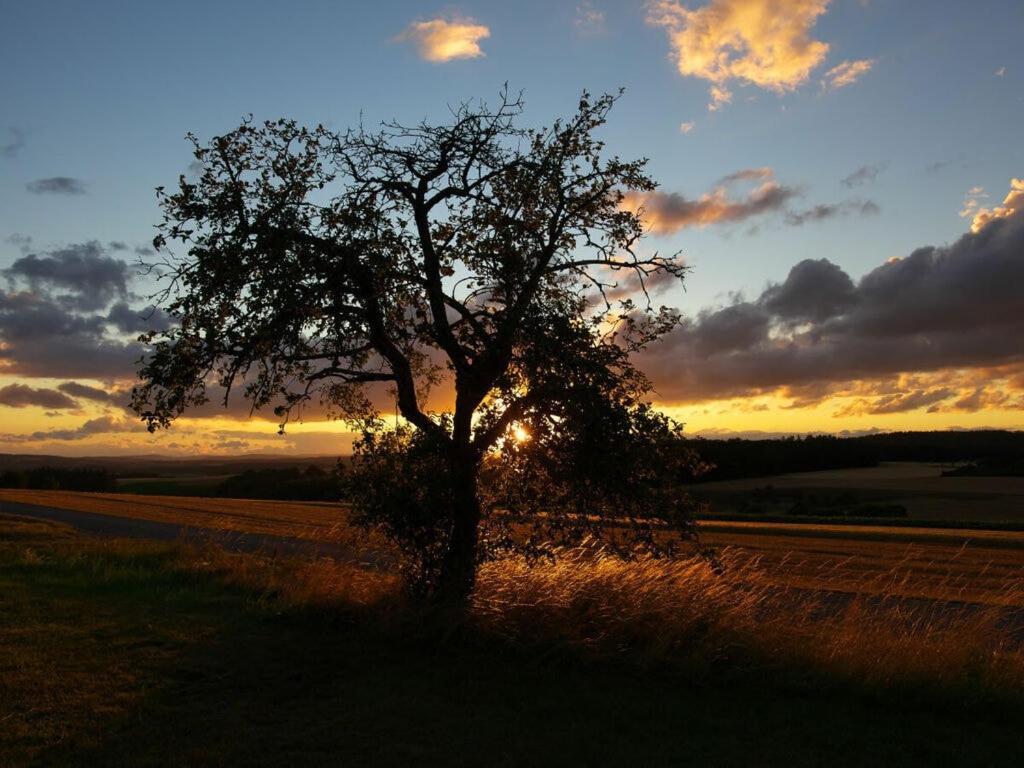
476,253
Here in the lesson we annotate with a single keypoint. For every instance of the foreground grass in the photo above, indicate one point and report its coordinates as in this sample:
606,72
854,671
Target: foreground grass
128,653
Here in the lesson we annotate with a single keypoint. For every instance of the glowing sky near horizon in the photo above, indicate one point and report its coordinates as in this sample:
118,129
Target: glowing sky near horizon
807,151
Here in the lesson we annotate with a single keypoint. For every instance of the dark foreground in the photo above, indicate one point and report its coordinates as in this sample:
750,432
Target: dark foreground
118,659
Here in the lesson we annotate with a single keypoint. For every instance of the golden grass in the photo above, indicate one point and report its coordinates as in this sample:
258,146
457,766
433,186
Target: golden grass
682,612
913,606
679,613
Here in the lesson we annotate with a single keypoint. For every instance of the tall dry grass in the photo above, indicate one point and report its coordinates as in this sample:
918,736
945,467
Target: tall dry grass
686,613
682,613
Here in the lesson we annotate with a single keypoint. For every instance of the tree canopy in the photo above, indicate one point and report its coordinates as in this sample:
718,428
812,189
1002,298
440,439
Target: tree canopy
307,264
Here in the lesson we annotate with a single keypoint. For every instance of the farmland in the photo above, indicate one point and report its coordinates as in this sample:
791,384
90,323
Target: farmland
845,642
188,656
918,487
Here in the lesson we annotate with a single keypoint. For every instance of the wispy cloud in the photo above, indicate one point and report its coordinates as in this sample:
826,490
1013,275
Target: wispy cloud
846,73
687,126
742,195
14,144
589,21
766,43
441,40
824,211
665,213
866,174
1001,71
56,185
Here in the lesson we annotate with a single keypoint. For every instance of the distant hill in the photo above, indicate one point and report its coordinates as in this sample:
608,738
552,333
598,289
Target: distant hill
164,466
737,458
986,451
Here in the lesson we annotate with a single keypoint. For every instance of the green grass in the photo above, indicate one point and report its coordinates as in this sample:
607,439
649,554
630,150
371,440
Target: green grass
119,654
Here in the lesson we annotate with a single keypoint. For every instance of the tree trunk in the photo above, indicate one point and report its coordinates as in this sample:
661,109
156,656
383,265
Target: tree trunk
458,569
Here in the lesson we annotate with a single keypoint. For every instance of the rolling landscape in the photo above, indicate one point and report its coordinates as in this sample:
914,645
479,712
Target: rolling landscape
511,384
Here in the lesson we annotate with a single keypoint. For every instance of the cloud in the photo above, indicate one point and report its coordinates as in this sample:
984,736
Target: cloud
830,210
846,73
766,43
103,425
937,166
441,40
588,21
92,278
22,395
687,126
665,213
56,185
939,309
815,290
900,402
1001,71
981,217
56,320
85,392
866,174
137,320
14,144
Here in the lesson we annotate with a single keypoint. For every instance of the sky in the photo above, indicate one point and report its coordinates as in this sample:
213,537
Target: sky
844,177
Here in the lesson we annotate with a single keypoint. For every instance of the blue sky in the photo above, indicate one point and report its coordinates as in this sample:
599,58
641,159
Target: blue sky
103,93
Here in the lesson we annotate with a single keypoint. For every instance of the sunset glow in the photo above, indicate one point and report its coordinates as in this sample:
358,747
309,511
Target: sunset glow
848,196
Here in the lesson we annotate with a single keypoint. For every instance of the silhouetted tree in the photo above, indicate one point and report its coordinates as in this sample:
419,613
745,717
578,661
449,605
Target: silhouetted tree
317,263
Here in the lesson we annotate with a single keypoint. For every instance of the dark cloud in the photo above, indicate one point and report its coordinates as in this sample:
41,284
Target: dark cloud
92,278
957,306
54,320
900,402
137,320
735,327
815,290
866,174
22,395
831,210
56,185
14,144
103,425
85,392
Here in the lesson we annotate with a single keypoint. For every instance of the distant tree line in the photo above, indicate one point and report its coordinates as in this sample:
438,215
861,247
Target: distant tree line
989,452
60,479
291,484
735,458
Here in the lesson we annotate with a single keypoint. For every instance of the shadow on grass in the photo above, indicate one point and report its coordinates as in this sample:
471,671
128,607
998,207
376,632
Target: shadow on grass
196,672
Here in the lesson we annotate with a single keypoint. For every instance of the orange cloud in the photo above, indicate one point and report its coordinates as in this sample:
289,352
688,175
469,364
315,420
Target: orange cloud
846,73
766,43
664,213
1013,201
441,40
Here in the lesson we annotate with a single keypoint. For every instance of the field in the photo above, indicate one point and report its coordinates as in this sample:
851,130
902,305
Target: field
118,653
938,563
817,643
918,487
